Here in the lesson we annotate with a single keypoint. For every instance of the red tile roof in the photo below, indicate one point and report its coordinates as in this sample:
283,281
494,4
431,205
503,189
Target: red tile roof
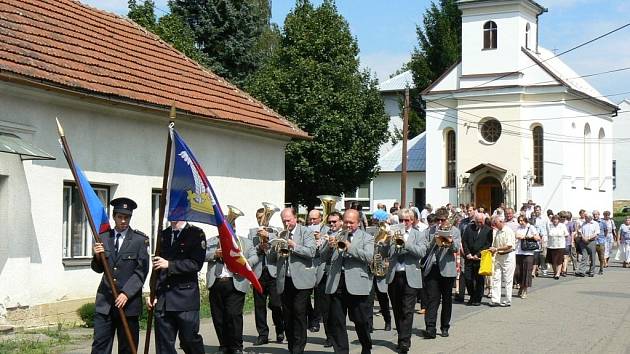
67,44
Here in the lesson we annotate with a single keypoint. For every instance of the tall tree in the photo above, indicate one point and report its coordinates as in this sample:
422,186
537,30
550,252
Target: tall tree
440,43
171,28
313,78
229,33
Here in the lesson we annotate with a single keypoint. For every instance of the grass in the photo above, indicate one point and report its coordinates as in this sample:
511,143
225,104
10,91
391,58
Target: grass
40,342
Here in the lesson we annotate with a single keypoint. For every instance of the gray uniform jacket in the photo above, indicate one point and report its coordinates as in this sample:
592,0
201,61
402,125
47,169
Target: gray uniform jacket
355,265
381,282
410,255
445,257
215,266
318,263
129,270
258,268
299,263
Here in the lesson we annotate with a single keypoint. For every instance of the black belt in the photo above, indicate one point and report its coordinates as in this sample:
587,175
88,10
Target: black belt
225,279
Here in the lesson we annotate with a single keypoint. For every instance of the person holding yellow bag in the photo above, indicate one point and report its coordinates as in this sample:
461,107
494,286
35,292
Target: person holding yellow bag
502,248
477,237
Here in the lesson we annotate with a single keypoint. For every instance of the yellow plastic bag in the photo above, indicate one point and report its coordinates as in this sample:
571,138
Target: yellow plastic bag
485,268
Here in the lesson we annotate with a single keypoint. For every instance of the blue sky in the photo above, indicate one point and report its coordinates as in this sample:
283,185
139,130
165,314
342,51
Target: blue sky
386,33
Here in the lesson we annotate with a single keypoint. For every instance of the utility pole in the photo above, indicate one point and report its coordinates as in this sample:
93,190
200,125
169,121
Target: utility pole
403,172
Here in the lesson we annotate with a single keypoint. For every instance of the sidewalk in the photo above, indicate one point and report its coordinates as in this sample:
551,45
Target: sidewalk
570,315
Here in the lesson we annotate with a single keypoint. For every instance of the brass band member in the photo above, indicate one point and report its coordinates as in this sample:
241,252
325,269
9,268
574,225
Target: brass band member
295,278
439,274
349,282
266,273
322,299
404,276
313,313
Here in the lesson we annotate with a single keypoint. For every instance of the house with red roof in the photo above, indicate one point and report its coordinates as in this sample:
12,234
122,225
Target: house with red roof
111,84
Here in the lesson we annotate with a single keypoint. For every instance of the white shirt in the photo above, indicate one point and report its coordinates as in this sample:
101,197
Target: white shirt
400,266
225,272
557,236
123,234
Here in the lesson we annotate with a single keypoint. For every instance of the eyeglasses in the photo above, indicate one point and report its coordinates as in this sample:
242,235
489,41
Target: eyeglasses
405,219
333,221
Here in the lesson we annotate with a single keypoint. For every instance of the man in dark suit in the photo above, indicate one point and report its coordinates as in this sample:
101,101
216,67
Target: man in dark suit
227,295
295,277
439,274
182,254
477,237
404,277
266,273
128,258
349,283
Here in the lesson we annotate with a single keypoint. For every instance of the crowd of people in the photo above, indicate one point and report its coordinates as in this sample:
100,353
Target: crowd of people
324,271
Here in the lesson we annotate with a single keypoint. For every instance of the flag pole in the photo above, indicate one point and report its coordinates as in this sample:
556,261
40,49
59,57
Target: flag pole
155,273
101,256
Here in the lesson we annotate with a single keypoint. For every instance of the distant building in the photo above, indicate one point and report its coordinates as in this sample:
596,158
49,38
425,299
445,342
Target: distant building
510,122
621,158
111,83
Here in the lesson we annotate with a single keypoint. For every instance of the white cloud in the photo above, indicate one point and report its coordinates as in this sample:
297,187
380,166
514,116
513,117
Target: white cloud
383,64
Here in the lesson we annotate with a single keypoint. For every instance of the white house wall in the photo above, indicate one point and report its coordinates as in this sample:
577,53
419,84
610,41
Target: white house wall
386,187
120,148
620,153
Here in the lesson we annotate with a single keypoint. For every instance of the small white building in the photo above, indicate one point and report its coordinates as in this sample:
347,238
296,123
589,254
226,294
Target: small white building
511,122
111,84
621,158
385,186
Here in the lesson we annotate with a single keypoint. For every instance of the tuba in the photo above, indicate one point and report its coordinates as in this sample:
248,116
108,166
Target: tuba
233,213
280,244
269,210
328,206
380,265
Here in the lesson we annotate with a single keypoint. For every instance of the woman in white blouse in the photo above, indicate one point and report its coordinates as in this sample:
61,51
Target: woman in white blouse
524,259
556,244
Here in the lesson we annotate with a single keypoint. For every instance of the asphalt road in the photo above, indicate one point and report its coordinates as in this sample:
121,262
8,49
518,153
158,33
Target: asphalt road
570,315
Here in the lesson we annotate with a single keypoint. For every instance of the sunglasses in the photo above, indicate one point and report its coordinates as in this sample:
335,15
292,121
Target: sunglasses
405,219
333,221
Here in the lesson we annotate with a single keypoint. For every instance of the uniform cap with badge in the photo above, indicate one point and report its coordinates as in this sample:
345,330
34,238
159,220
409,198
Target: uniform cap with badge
123,205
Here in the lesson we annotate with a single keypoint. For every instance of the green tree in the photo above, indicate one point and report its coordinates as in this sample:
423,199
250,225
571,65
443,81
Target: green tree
170,28
440,44
313,78
229,33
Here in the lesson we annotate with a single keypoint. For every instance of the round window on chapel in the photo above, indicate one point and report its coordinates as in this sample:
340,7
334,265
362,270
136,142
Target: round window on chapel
490,130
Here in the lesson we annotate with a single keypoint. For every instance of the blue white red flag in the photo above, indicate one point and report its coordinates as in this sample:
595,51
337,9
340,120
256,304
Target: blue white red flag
190,197
95,207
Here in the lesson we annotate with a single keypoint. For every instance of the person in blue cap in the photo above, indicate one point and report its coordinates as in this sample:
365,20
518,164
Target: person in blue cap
128,260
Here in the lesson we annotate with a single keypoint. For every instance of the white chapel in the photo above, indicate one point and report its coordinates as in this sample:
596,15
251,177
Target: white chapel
511,122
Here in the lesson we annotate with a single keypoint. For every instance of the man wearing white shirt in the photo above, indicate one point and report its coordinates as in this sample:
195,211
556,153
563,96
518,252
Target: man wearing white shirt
503,245
590,231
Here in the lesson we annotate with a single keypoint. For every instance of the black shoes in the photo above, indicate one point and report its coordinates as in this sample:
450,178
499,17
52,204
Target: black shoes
261,341
429,334
327,343
280,338
444,333
388,326
476,303
314,328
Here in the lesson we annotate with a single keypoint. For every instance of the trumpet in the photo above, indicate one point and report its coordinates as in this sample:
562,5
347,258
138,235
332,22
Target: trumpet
443,237
280,244
398,235
341,238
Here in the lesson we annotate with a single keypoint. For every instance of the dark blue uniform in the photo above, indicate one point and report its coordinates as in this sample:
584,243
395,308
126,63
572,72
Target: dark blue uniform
129,267
177,293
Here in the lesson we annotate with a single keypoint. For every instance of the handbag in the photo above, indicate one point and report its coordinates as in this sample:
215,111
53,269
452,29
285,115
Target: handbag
485,267
528,244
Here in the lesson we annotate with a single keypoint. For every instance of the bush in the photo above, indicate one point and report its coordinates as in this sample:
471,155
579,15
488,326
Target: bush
86,312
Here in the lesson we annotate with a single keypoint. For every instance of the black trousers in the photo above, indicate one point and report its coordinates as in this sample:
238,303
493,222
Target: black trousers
294,311
474,282
343,303
275,305
105,326
422,298
403,303
462,278
167,326
439,289
226,307
322,303
383,304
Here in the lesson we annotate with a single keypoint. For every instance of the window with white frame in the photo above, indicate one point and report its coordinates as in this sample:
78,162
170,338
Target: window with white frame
361,195
489,35
77,236
155,217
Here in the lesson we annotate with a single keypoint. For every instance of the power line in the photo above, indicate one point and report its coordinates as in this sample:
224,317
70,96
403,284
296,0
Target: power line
540,101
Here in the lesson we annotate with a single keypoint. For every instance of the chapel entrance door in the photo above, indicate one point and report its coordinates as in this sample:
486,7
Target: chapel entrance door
489,194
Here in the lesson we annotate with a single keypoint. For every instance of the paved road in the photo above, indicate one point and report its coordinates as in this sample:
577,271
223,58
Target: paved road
570,315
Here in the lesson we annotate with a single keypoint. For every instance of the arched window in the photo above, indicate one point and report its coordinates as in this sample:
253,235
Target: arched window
587,155
527,28
489,35
451,159
538,156
601,157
